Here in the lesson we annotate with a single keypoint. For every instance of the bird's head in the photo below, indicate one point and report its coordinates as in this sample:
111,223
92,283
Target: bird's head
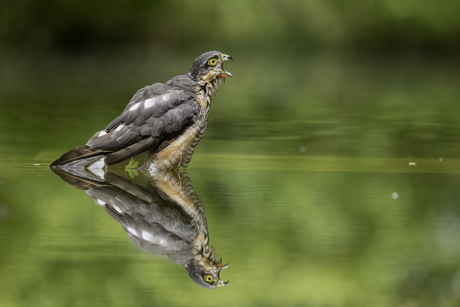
208,68
204,270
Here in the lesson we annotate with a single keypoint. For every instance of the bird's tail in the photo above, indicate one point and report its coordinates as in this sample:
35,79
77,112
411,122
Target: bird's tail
78,153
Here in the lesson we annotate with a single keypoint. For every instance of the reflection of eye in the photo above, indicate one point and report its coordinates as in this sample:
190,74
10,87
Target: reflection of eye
212,62
208,278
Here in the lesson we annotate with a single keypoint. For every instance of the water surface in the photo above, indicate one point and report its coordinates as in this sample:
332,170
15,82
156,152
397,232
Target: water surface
326,182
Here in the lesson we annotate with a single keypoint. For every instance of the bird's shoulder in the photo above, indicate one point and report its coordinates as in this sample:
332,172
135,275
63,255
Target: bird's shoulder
154,113
176,90
155,100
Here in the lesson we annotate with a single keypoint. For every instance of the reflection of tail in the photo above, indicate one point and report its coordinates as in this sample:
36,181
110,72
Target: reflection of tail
82,180
87,155
79,153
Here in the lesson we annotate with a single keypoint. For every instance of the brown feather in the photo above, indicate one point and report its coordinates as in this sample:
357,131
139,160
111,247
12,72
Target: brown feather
77,181
130,151
78,153
166,120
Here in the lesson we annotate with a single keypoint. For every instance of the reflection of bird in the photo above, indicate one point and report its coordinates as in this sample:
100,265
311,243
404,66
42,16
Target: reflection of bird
164,119
160,213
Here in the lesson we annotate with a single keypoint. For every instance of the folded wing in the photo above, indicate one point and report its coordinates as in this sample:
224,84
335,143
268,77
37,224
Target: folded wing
148,120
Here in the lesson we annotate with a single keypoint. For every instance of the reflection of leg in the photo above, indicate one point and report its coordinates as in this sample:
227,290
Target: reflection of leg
178,165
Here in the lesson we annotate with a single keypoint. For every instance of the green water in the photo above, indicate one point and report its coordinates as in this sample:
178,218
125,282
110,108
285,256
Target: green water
326,182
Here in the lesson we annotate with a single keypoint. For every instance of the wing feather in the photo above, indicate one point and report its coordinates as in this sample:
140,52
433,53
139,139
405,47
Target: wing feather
145,123
130,151
155,113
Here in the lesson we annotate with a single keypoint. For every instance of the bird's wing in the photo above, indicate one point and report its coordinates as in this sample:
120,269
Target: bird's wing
155,113
147,120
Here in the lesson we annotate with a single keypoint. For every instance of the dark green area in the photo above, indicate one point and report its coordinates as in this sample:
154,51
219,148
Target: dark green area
381,26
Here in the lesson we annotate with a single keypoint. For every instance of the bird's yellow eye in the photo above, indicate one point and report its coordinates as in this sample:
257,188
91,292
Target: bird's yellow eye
212,62
208,278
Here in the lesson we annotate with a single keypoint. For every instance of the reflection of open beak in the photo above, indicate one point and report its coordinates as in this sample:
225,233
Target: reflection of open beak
225,57
223,266
221,282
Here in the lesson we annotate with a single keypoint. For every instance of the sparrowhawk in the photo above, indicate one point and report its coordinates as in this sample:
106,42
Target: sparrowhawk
163,120
161,214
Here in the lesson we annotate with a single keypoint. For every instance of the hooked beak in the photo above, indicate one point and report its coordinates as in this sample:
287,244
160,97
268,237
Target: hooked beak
226,57
221,282
223,267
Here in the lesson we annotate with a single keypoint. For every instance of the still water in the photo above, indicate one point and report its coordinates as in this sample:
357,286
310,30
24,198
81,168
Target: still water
324,183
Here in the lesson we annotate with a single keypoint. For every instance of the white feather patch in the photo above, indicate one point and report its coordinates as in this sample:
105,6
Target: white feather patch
149,103
101,133
133,231
166,97
117,209
119,127
147,236
97,168
134,107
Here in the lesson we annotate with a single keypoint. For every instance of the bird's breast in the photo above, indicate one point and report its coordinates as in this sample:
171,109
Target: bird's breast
179,152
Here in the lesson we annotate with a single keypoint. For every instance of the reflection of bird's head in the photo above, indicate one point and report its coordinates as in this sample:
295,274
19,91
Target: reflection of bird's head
209,67
204,269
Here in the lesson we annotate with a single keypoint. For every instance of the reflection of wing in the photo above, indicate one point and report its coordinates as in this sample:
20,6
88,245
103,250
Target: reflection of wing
156,114
152,222
160,214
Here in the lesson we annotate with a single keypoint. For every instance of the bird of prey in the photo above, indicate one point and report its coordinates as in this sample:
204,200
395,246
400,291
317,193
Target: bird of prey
163,120
161,214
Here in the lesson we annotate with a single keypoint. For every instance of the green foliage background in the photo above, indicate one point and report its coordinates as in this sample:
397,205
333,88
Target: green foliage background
292,25
305,145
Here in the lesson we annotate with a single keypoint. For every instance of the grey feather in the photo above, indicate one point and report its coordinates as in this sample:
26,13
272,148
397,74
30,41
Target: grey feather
130,151
156,113
146,116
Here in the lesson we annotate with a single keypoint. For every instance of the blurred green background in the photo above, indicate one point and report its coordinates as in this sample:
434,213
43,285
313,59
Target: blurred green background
79,27
305,148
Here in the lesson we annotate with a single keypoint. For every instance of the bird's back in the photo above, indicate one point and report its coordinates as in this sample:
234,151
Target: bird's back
166,120
156,114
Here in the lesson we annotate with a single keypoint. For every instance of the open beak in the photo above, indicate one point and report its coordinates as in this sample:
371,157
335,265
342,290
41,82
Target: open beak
222,267
225,57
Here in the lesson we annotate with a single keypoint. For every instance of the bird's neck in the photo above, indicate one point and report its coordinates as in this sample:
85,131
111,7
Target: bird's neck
208,88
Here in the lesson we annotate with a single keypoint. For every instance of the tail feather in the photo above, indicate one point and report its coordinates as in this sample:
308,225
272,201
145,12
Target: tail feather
111,157
78,153
81,180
